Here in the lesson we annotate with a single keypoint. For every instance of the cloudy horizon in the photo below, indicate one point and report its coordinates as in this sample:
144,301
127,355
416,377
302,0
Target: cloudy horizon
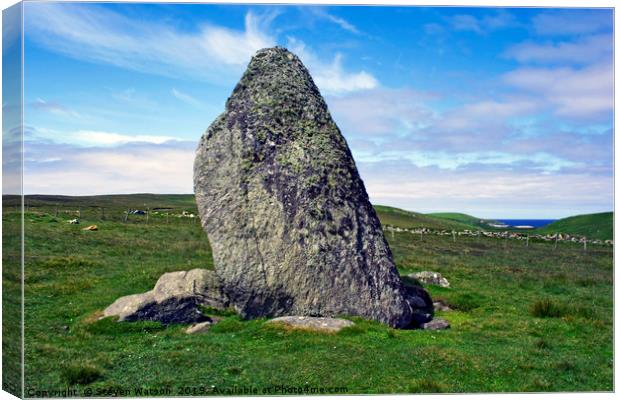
494,112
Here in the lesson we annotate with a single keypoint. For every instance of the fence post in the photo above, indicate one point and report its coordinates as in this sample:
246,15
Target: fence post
79,212
527,240
126,216
166,218
555,245
454,236
585,244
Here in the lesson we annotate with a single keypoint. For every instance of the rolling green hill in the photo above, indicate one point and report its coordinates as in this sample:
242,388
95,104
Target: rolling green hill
462,218
593,226
408,219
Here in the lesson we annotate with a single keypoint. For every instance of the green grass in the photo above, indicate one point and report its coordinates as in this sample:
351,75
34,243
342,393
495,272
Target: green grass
593,226
496,342
408,219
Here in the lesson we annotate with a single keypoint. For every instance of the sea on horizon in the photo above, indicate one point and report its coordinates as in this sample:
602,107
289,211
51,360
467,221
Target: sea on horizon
536,223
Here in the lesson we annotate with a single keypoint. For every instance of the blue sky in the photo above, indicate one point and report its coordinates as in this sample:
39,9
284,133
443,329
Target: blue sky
497,112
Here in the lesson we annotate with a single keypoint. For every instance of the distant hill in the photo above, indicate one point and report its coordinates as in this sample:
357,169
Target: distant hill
137,200
464,219
593,226
408,219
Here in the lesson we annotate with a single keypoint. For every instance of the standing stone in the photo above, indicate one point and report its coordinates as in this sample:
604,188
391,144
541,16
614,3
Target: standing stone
286,212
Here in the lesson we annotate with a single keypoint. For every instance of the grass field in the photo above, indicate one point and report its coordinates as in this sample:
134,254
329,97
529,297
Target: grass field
525,319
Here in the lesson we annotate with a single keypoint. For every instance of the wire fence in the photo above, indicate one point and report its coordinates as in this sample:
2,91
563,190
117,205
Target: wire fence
86,214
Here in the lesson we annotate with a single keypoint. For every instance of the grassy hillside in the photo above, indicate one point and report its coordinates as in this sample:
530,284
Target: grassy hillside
138,200
593,226
408,219
116,204
544,324
462,218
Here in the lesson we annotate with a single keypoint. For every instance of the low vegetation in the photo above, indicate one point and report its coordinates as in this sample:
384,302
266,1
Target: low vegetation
523,319
593,226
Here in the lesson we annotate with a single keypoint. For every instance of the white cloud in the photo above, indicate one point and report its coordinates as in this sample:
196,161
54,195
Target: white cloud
584,51
487,194
573,22
217,54
466,22
381,112
131,168
580,93
330,77
341,22
54,108
98,138
186,98
92,33
482,25
488,112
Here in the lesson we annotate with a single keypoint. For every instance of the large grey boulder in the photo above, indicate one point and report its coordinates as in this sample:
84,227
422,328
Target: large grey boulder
176,298
285,210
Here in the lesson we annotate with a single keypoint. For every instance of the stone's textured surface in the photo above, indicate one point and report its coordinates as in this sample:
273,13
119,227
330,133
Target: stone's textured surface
287,215
322,324
175,299
436,324
431,278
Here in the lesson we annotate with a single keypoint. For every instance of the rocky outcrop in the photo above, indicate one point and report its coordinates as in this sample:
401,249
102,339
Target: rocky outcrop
286,212
176,298
431,278
436,324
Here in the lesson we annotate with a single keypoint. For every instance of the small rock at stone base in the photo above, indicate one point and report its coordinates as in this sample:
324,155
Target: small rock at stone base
439,305
436,324
200,327
431,278
321,324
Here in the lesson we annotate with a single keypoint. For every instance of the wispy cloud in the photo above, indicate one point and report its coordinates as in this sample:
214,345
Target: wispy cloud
572,22
97,138
586,50
212,53
330,77
464,22
572,92
482,25
381,113
96,34
54,108
341,22
186,98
